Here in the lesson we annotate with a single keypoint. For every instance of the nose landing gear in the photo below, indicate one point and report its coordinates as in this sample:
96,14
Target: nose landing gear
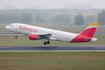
16,35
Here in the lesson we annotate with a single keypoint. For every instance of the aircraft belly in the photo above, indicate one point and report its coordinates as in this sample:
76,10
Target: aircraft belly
63,38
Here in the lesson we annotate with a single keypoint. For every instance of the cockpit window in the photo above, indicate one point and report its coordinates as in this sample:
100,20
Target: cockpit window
11,25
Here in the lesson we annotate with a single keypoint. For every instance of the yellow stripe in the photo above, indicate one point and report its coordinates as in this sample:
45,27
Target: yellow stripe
94,24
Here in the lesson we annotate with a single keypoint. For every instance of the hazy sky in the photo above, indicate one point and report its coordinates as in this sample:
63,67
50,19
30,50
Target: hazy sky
50,4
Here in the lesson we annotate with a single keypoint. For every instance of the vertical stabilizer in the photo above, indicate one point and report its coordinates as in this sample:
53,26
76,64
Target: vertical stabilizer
87,34
90,30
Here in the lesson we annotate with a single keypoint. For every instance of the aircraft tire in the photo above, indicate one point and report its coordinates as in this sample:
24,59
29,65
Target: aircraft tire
44,43
48,42
15,37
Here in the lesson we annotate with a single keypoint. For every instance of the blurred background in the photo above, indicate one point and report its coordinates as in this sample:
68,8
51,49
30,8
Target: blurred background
66,15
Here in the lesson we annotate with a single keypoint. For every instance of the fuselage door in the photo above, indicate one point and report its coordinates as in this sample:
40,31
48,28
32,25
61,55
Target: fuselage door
16,27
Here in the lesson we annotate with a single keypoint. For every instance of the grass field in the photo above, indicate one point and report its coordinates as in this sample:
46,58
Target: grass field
23,40
52,61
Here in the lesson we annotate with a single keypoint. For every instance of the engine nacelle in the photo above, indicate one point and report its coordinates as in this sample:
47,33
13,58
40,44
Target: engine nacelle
34,37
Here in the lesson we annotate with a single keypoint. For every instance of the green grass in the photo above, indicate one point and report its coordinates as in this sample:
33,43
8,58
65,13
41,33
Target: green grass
52,61
23,40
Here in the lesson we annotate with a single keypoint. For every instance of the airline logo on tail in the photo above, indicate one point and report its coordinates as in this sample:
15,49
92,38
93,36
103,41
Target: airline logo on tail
87,34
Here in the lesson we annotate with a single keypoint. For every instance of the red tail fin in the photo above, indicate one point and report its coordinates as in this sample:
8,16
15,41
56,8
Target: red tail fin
90,30
87,34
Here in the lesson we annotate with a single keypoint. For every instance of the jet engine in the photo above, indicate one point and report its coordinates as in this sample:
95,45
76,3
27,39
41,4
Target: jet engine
34,37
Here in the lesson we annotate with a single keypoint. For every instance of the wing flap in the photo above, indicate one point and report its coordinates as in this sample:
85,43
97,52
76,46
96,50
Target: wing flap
40,33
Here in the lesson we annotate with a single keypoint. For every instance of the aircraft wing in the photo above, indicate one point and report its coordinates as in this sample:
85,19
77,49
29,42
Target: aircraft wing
40,34
45,35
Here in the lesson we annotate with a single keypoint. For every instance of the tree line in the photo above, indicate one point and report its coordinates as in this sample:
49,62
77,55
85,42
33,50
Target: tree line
79,19
11,17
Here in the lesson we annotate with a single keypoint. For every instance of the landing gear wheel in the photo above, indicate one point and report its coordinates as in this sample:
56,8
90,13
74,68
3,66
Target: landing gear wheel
48,42
45,43
15,37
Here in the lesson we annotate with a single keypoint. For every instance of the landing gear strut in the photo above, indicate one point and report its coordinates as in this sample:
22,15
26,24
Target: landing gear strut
16,35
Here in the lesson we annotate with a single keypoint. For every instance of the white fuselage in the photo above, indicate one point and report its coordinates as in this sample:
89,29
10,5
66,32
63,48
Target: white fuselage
56,35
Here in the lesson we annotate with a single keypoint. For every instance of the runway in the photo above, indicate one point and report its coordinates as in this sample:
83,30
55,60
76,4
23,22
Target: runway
70,48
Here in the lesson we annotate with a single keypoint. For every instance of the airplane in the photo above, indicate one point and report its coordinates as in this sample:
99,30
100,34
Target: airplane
38,33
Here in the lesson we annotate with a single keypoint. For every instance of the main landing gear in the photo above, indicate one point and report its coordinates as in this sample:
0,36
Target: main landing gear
45,43
16,35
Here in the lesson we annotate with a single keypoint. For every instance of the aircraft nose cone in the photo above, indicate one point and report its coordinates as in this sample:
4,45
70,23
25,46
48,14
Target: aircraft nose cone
6,27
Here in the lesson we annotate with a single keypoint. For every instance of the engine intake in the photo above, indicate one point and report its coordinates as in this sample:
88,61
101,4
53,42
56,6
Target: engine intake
34,37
